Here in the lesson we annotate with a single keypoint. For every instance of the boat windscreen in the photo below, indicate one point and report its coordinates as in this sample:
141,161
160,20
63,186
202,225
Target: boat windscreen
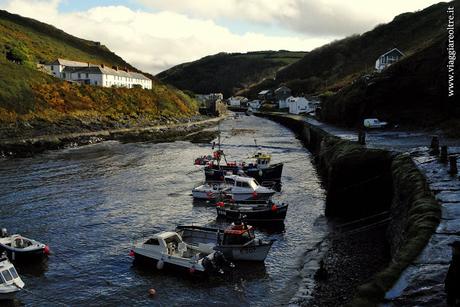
7,275
13,272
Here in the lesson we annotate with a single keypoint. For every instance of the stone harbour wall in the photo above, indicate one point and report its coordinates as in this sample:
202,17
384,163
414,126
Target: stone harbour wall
363,182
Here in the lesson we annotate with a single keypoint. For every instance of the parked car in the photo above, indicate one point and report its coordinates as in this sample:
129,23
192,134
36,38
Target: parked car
374,123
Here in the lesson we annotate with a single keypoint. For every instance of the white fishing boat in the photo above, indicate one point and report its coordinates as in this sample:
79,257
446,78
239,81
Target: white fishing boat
10,282
238,188
246,188
167,250
237,242
21,249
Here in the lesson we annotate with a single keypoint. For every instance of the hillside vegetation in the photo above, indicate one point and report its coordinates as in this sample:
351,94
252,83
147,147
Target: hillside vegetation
228,73
32,98
334,65
412,92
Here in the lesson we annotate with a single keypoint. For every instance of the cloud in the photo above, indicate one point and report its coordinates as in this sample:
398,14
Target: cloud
313,17
154,41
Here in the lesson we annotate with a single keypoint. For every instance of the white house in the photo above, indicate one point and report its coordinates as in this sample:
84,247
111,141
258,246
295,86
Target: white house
99,75
237,101
299,105
281,94
387,59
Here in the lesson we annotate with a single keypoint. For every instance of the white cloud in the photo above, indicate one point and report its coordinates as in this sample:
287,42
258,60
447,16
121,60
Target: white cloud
317,17
178,31
155,41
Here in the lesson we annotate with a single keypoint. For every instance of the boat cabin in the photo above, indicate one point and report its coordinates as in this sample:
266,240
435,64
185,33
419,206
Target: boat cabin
238,182
9,278
169,243
238,234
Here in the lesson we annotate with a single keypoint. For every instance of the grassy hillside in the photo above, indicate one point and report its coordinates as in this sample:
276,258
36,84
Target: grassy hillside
334,65
413,92
29,95
228,72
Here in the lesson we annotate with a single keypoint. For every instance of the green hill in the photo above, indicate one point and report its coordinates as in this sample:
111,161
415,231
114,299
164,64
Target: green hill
228,73
411,92
29,97
335,65
338,63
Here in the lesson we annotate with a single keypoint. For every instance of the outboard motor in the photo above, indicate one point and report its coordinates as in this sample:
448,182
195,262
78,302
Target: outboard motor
3,233
217,263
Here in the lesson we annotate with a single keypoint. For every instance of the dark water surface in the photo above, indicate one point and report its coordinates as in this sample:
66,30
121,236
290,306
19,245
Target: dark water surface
90,203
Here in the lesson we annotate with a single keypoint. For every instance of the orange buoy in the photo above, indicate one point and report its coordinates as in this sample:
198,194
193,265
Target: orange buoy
152,292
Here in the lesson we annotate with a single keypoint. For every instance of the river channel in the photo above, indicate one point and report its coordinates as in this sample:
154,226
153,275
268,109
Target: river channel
90,203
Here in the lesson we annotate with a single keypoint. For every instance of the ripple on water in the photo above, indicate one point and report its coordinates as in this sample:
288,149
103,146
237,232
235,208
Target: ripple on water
90,203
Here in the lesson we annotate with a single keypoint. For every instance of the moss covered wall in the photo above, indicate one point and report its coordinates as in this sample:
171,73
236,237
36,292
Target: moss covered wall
362,181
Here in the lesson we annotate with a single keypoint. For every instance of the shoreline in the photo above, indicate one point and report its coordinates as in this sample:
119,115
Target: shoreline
28,146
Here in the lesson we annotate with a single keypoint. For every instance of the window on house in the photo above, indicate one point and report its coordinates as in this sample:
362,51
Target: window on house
63,75
87,75
79,75
95,82
52,67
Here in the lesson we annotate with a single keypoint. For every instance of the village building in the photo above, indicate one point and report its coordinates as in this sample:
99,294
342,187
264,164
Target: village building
99,75
265,95
387,59
237,101
298,105
281,94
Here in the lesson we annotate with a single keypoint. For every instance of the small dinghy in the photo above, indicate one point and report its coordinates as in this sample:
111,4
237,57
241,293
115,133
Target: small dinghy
22,249
10,282
260,212
167,250
234,187
237,242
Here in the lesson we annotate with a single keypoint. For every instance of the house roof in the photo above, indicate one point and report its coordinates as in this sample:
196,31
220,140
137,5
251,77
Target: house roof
264,92
282,88
392,50
71,63
106,71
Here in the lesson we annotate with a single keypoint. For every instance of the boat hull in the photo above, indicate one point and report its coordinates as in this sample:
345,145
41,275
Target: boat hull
250,196
203,195
246,253
262,215
16,255
271,173
151,263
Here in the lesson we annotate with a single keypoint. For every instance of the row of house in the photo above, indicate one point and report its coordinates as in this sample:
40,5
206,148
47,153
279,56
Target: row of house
99,75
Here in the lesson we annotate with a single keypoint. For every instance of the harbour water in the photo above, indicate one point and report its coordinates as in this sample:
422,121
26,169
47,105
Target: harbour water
90,203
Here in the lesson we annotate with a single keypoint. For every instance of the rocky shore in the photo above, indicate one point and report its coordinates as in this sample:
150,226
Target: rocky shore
29,139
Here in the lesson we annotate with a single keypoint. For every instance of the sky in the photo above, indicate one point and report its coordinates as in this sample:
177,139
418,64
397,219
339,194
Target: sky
154,35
